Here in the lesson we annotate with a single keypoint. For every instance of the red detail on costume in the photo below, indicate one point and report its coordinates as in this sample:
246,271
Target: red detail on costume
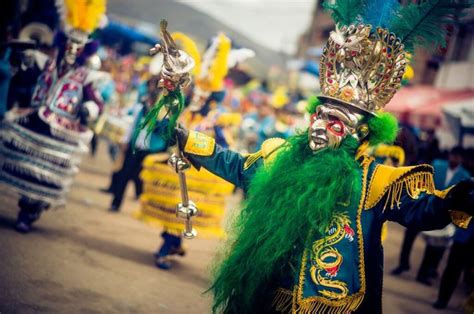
348,230
332,271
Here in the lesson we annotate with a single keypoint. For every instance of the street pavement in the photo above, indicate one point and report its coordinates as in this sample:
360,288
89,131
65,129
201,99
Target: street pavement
83,259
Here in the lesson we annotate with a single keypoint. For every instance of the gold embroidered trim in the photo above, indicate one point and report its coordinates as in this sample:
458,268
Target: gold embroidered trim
392,182
286,301
251,159
199,144
362,150
268,148
325,255
442,194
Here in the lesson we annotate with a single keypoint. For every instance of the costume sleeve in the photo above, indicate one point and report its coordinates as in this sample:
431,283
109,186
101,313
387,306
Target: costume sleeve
203,151
407,195
426,212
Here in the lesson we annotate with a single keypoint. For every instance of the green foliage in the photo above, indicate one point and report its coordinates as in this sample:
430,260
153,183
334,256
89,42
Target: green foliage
424,24
382,129
344,12
289,199
313,103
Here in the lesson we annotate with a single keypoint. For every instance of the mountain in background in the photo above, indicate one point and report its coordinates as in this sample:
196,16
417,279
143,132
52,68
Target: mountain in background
196,24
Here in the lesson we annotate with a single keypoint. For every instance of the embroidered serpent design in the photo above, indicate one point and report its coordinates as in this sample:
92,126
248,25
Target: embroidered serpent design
326,260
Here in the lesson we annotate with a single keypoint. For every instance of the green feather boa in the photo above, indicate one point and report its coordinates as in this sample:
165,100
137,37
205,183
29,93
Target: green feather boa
294,196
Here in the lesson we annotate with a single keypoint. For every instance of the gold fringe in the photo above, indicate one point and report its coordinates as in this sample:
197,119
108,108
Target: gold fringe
283,300
284,303
413,184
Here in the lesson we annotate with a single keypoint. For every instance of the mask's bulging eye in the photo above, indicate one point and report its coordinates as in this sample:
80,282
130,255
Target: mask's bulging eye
336,127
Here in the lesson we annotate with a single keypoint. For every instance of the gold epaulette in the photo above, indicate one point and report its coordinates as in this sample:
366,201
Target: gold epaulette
392,181
268,148
199,144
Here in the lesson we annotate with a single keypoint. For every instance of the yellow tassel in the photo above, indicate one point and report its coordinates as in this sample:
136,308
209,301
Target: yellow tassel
413,185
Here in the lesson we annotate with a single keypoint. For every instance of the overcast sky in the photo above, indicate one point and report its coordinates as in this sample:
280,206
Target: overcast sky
276,24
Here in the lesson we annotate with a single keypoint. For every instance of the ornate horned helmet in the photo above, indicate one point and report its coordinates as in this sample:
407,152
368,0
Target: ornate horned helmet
361,67
366,55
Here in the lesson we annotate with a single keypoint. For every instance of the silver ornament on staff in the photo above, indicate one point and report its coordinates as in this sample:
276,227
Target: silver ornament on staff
175,74
186,209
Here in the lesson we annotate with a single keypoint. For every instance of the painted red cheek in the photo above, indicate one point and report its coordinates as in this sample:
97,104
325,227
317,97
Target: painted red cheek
331,127
313,117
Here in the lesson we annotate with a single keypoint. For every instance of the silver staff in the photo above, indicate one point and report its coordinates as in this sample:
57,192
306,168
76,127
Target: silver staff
177,65
186,209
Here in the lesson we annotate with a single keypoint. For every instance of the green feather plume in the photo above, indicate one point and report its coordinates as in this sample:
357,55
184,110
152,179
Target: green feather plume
424,24
382,129
173,101
313,103
344,12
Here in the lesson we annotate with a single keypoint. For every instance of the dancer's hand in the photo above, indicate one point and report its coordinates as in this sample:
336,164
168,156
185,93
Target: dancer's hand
461,197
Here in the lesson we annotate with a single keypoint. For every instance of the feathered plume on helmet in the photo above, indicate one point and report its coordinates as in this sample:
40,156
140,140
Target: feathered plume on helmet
80,18
365,57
